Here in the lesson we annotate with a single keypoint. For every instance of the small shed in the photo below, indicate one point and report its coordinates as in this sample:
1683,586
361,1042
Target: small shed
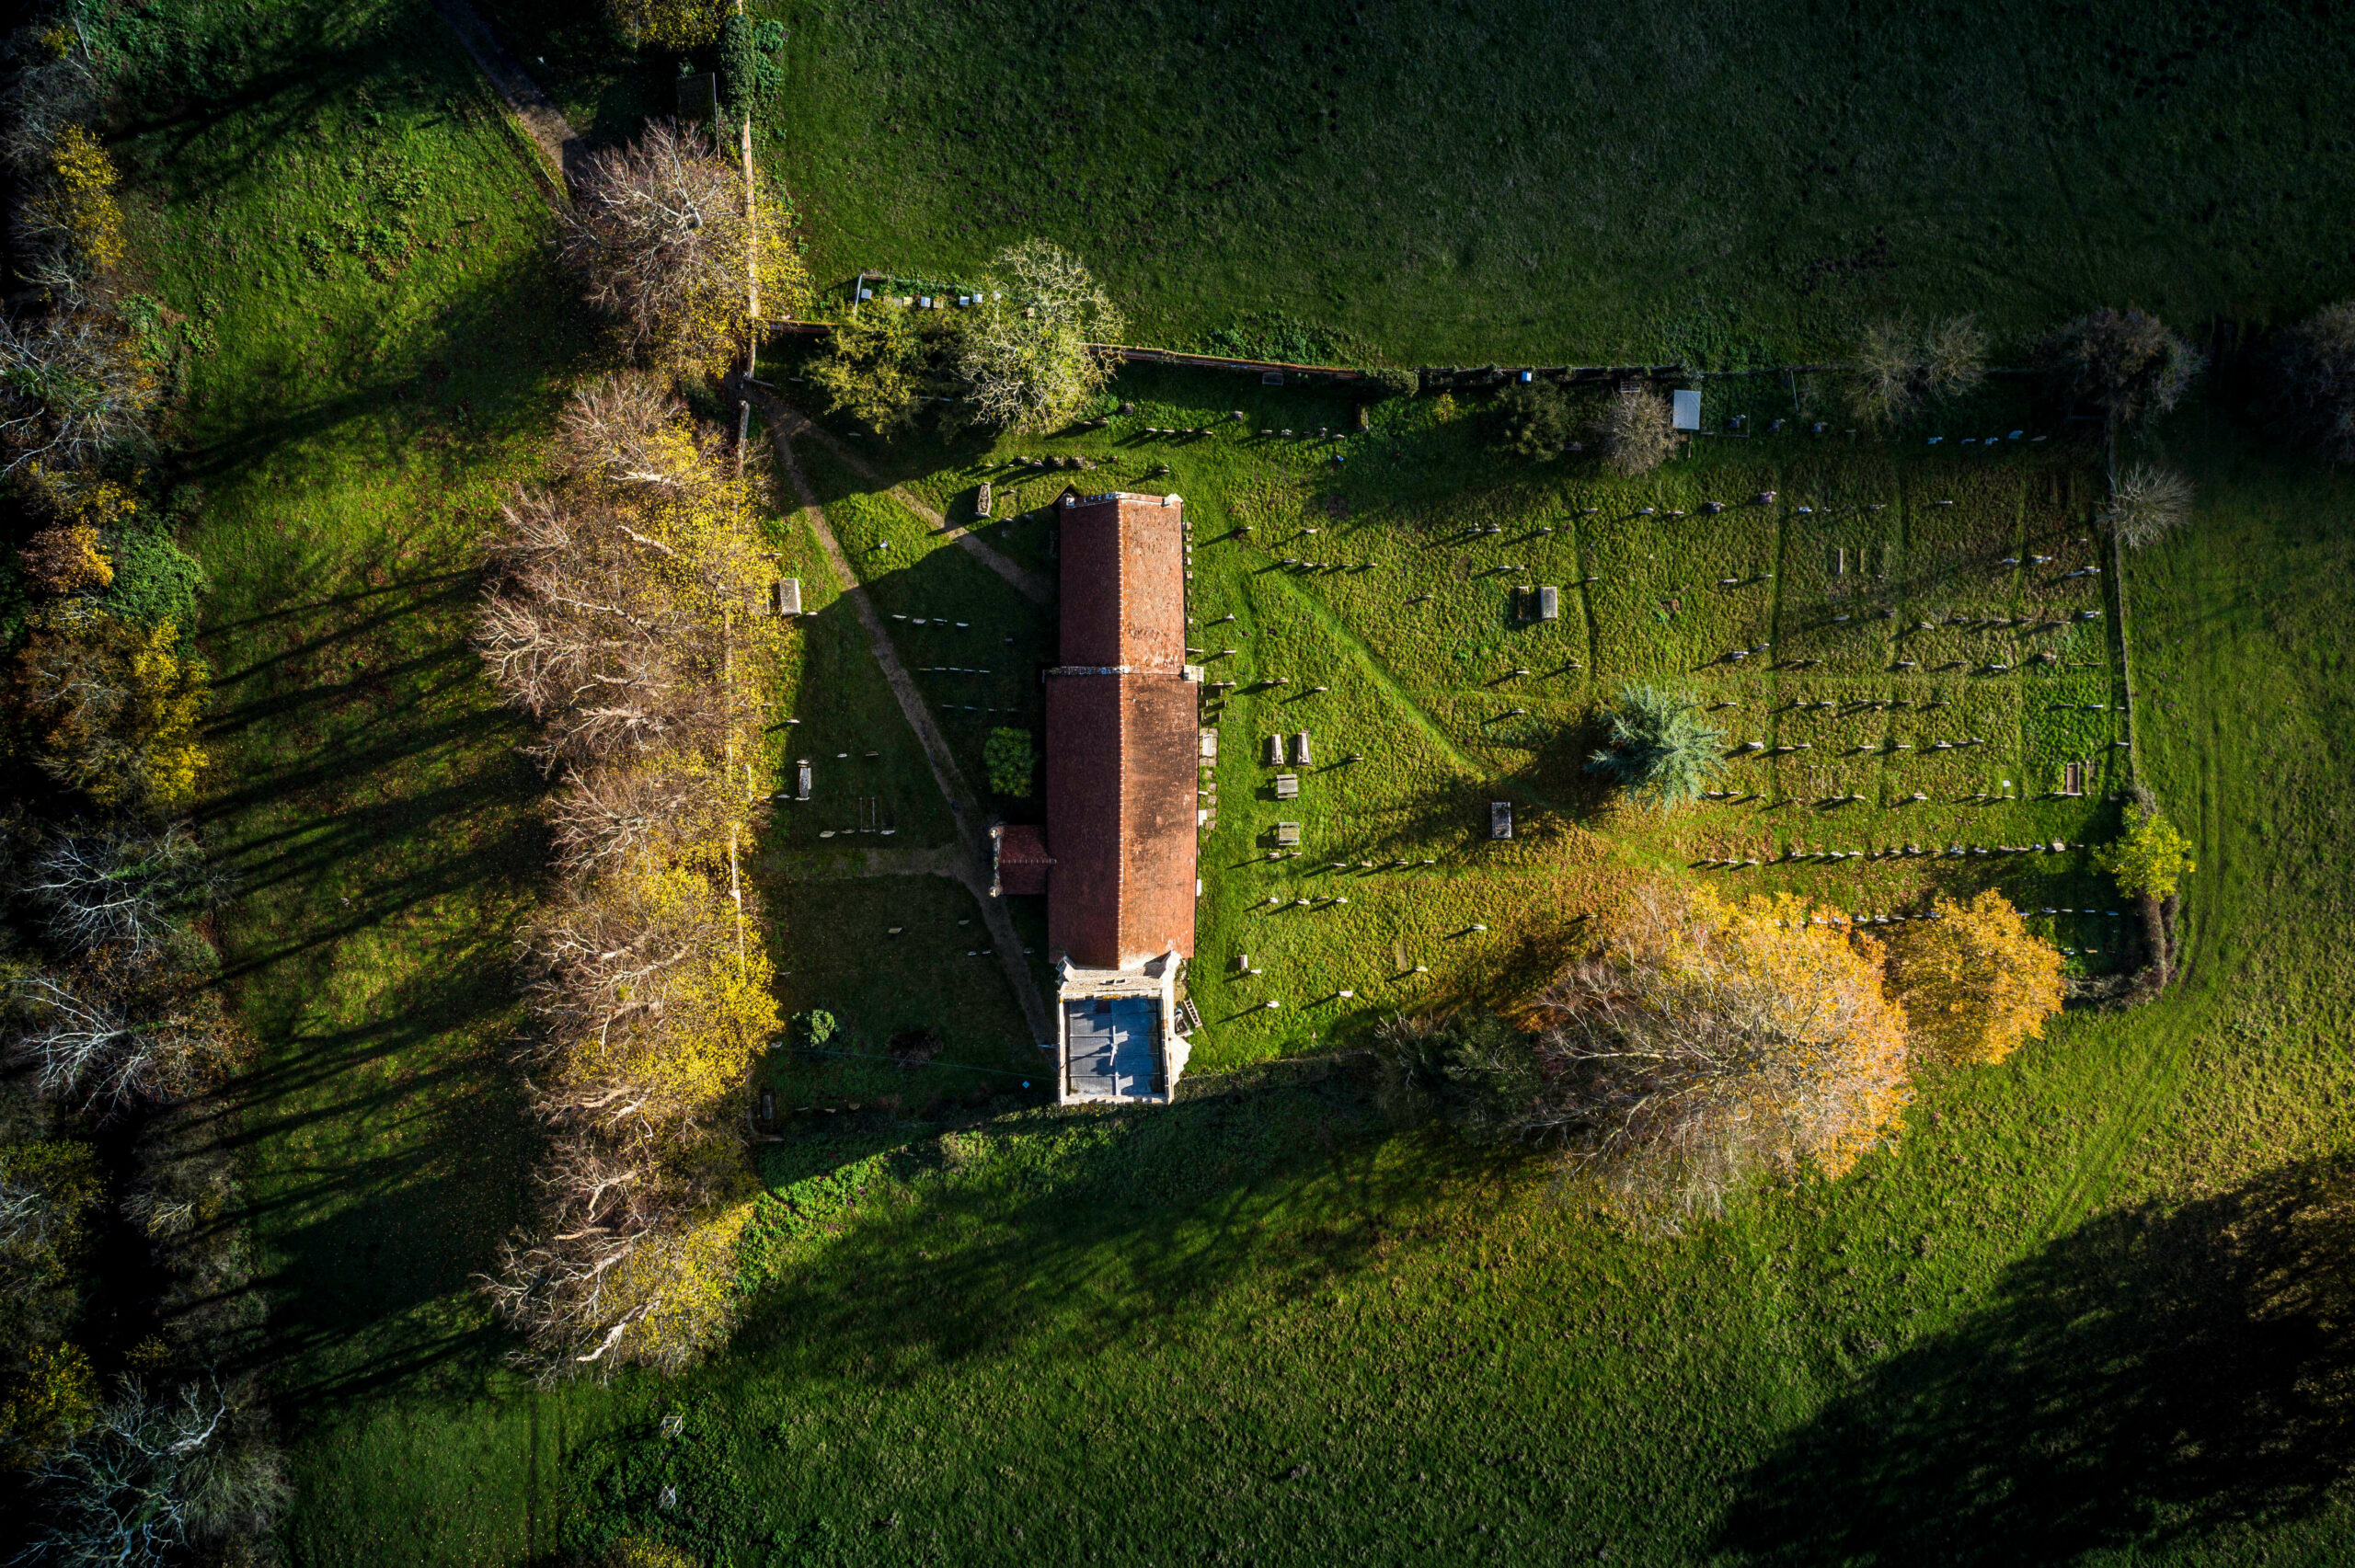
1549,603
1685,409
1501,818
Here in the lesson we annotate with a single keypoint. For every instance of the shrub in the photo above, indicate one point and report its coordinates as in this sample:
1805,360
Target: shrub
818,1026
108,706
1974,983
1386,381
1471,1068
1636,432
1662,752
1707,1043
2146,504
155,582
748,78
1532,421
2315,365
121,882
2149,858
1027,356
659,237
2126,364
1900,365
1011,761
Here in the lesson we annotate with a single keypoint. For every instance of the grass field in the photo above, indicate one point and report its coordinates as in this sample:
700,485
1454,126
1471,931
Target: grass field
2089,1306
1429,182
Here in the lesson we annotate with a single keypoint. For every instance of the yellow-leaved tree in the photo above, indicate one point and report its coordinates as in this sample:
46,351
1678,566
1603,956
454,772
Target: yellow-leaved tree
71,223
1975,982
110,706
2149,858
1706,1042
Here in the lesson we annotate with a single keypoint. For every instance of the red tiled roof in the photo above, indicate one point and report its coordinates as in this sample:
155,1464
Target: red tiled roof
1124,583
1120,752
1022,858
1121,748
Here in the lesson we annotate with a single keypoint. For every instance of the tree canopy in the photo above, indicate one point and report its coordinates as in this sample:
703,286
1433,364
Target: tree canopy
2149,858
1026,354
1662,752
1975,983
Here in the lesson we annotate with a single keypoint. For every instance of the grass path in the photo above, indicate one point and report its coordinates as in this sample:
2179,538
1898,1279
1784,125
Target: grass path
1029,584
962,804
565,148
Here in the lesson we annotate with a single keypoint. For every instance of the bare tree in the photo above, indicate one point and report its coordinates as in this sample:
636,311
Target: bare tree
2128,363
1636,432
106,1047
605,816
580,634
157,1477
2146,504
631,429
73,388
119,883
659,234
2316,361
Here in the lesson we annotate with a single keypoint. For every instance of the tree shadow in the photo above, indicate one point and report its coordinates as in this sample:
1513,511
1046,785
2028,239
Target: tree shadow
2147,1380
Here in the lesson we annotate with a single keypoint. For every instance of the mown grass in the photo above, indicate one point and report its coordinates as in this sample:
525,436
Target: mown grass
2085,1307
1530,183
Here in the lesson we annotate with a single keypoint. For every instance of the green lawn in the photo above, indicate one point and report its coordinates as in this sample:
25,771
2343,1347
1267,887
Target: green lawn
2088,1305
1430,182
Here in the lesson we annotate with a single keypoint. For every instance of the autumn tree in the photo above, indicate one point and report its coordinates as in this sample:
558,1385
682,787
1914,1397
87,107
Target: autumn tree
1662,752
109,707
1637,431
1974,982
1706,1042
2149,858
1030,355
69,227
660,233
879,366
620,617
2128,363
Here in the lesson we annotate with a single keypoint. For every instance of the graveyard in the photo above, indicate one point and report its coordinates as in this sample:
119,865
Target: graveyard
2085,1304
1911,652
